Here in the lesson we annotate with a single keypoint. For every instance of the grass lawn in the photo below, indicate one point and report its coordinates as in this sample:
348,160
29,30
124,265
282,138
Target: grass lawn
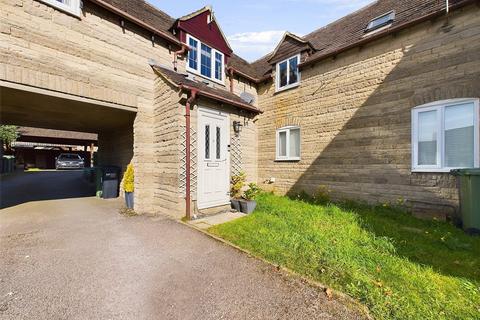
398,266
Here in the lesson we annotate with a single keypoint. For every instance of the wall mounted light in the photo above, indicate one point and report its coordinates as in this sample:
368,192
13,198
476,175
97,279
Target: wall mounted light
237,127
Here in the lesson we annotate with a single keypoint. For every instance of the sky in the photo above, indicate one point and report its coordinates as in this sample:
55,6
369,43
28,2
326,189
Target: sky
253,28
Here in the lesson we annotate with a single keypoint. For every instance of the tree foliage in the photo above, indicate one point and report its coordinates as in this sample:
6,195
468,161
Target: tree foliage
8,134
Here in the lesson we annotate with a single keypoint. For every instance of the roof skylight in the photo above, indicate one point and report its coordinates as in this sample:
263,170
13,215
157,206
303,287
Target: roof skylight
381,21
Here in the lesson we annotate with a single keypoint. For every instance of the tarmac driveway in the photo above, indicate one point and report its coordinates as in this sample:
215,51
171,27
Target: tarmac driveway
78,258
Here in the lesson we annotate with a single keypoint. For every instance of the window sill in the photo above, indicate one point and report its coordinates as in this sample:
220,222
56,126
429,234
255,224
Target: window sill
287,160
291,86
436,170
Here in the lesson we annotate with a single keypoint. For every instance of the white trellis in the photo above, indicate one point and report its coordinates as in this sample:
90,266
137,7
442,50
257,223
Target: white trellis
236,155
193,162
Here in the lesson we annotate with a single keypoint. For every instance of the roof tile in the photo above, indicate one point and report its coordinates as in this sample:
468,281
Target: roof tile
180,79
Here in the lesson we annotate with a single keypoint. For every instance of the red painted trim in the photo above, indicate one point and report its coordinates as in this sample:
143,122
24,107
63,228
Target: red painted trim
208,33
180,52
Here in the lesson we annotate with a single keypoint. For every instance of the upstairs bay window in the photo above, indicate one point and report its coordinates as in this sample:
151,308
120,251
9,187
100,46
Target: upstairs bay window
205,60
218,66
445,136
288,144
287,74
193,54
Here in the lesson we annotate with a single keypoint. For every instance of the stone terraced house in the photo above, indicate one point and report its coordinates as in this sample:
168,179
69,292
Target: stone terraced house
377,106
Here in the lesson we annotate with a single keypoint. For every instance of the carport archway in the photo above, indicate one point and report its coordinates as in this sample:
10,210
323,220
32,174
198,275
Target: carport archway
22,187
40,108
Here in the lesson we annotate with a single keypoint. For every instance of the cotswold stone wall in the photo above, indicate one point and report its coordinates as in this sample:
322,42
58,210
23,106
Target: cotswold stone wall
355,116
94,57
90,56
166,132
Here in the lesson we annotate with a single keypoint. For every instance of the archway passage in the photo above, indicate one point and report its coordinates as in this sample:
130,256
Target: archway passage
58,123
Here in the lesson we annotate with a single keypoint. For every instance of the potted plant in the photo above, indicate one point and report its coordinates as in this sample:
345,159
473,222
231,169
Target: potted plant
248,205
237,182
128,179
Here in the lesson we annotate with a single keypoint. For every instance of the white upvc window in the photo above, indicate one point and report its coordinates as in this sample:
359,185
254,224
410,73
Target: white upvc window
288,144
445,135
70,6
205,61
287,73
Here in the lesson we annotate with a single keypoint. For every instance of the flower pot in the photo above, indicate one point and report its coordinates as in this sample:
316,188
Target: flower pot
247,206
129,199
235,204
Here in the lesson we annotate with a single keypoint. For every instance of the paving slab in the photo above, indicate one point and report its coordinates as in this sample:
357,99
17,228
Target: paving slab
210,221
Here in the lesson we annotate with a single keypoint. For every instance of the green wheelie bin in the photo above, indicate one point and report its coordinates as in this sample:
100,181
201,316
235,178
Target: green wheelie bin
469,199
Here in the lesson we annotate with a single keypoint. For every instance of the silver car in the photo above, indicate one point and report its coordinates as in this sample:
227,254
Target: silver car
69,161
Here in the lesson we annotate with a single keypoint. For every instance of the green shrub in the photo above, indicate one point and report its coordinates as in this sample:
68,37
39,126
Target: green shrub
128,179
252,192
237,182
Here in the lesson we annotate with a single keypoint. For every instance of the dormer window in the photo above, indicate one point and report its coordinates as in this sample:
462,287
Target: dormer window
381,21
70,6
204,60
287,73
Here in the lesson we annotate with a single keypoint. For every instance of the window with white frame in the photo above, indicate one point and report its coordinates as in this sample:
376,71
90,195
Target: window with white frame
287,73
445,135
205,60
70,6
288,144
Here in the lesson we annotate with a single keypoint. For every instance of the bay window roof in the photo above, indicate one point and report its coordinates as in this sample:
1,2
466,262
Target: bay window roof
180,80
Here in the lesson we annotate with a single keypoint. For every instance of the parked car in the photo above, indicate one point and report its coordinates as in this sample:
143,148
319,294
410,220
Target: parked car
69,161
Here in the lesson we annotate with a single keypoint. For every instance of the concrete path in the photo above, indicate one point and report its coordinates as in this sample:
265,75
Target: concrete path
78,258
210,221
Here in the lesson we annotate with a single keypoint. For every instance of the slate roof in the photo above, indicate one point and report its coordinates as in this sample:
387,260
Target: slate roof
350,30
145,12
243,66
50,133
339,35
179,80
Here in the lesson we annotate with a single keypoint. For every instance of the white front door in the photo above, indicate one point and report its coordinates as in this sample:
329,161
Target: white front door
213,158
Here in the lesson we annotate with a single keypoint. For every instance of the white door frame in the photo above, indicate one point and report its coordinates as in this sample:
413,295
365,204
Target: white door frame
202,162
